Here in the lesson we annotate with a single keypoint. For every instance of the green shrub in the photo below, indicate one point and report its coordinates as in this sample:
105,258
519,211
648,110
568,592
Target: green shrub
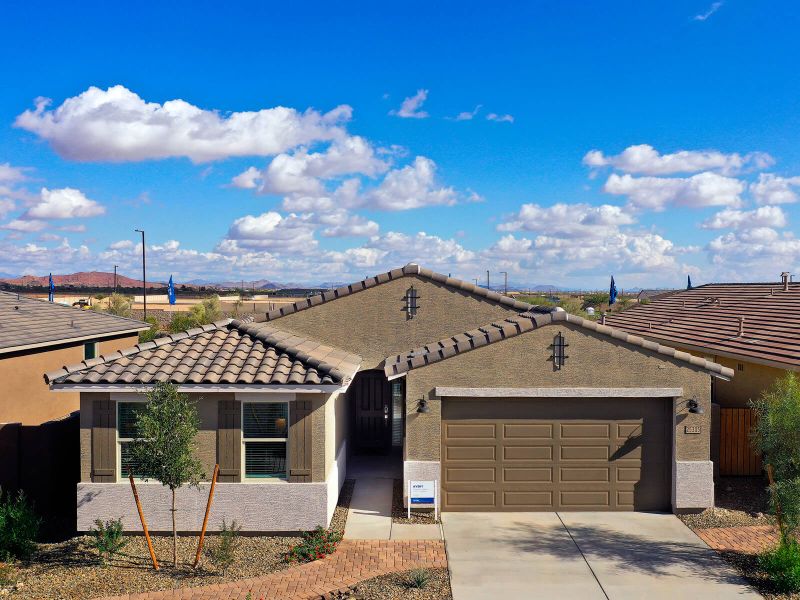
108,538
150,334
223,553
19,527
208,311
316,544
418,578
182,321
782,564
596,299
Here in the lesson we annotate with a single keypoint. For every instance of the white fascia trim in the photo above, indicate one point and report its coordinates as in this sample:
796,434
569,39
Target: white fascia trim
199,387
559,392
97,337
398,376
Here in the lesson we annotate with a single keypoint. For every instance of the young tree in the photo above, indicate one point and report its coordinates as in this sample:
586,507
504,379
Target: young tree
777,436
164,451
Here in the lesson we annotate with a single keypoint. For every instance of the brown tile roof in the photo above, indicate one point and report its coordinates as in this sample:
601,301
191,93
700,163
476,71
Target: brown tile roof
409,270
706,318
519,324
31,322
226,352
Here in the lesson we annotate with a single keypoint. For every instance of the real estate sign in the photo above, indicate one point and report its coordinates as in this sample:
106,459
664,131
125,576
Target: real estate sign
423,493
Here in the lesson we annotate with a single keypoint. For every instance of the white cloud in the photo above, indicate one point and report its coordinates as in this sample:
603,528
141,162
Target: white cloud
411,108
467,115
27,226
754,254
273,232
63,203
657,193
9,174
340,223
772,189
412,186
568,220
715,6
500,118
303,172
117,125
122,245
646,160
6,206
764,216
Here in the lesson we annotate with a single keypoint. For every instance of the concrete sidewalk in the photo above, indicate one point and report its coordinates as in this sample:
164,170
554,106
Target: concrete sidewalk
583,556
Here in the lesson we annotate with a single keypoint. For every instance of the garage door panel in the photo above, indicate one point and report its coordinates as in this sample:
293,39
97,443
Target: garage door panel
511,453
564,454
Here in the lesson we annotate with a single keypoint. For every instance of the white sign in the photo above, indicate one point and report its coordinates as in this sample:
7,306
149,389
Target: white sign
423,493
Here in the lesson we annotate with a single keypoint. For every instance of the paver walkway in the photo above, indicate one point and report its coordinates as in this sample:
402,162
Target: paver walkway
353,561
752,539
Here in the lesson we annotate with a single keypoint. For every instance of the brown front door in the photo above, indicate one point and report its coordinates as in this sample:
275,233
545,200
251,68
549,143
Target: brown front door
372,398
556,454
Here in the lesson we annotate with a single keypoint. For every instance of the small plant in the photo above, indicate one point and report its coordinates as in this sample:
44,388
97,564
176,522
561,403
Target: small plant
223,553
150,334
782,564
316,544
19,527
418,579
108,538
8,575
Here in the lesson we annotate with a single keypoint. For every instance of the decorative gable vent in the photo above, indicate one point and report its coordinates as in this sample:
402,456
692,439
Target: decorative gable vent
559,351
412,302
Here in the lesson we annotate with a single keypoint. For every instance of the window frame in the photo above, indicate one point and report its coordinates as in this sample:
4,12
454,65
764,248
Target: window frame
120,440
95,350
245,441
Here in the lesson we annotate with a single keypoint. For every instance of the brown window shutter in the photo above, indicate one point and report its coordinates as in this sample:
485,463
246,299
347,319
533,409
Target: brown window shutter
300,441
229,441
104,441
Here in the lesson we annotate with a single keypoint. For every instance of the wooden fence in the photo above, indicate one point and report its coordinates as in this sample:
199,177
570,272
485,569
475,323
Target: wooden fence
736,456
44,461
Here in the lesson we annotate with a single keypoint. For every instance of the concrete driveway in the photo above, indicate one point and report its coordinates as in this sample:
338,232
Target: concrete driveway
583,556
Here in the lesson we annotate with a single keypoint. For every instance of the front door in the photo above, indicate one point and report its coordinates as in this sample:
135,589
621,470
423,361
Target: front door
372,400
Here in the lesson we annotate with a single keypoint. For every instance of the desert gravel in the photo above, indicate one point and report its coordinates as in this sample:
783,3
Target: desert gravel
740,501
400,513
395,586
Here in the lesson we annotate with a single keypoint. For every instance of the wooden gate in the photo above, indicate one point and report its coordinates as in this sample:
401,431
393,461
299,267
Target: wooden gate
736,457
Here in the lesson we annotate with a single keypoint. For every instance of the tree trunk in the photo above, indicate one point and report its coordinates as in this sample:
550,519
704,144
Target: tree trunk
174,534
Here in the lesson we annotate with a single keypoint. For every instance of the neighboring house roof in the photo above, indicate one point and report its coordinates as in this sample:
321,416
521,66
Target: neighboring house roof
519,324
653,294
707,319
225,352
410,269
30,323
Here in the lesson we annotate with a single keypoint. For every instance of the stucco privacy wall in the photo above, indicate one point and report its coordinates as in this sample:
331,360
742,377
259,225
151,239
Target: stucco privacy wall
525,361
32,402
747,384
260,507
373,324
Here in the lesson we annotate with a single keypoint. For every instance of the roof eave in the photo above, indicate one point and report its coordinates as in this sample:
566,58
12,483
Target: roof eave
83,338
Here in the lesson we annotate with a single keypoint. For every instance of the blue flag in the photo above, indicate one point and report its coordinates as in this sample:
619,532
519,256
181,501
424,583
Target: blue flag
51,292
688,282
171,291
612,292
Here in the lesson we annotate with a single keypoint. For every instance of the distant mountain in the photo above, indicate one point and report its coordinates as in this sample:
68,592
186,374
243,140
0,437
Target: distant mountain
88,279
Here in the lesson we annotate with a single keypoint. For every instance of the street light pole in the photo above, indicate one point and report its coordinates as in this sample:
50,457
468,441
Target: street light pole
505,285
488,287
144,274
115,279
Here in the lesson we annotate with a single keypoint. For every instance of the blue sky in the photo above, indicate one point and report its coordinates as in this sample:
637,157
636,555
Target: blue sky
561,142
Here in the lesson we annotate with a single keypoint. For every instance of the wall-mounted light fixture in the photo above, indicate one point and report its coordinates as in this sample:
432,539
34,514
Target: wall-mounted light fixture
412,302
559,348
694,406
423,407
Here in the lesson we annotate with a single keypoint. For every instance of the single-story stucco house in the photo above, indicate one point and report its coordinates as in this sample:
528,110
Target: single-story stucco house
509,407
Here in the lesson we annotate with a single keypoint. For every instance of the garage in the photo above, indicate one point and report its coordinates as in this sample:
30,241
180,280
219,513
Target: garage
567,454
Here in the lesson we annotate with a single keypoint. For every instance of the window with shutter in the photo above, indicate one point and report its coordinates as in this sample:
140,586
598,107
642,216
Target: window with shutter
265,439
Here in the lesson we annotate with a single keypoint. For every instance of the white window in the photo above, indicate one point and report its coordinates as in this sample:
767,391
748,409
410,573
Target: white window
126,433
265,427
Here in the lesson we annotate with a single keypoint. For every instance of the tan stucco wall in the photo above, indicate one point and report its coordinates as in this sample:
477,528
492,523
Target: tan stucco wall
26,398
372,323
746,385
524,361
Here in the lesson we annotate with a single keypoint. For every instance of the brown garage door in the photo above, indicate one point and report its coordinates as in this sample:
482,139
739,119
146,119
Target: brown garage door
501,454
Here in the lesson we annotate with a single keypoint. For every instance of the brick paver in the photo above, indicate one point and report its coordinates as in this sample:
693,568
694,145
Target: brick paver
353,561
748,540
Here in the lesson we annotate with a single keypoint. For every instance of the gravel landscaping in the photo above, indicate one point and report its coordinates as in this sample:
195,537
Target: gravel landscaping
739,501
70,570
400,513
396,586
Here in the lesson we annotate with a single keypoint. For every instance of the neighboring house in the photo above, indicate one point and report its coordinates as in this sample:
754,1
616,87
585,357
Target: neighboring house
510,407
751,328
38,336
650,295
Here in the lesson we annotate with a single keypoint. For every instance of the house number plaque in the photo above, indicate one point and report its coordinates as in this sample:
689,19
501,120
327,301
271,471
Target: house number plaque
692,429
